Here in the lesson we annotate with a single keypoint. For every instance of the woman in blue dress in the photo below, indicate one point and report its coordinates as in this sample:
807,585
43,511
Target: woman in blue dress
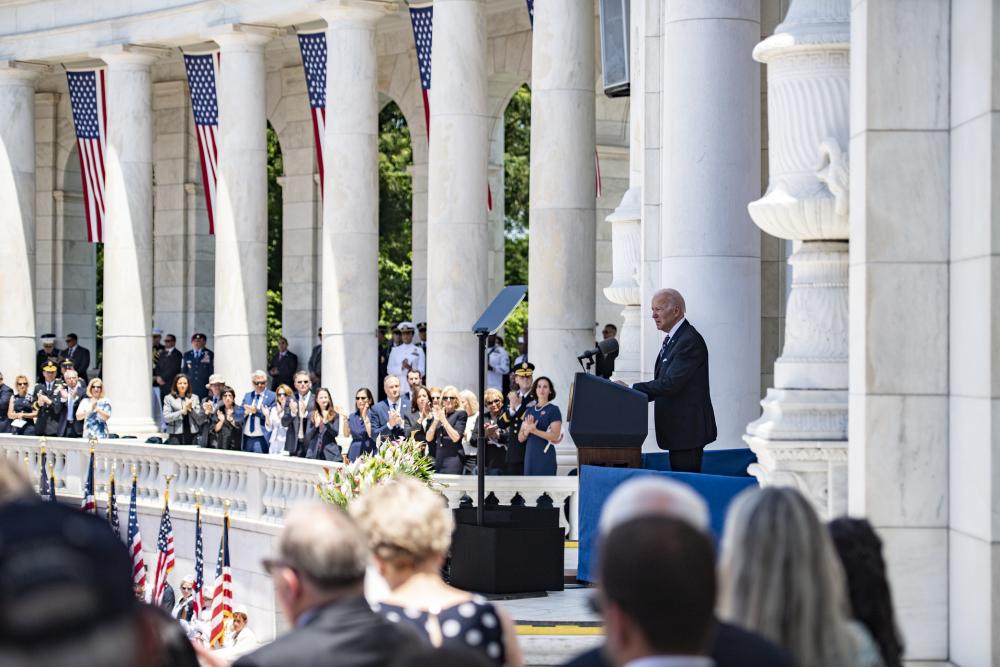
361,426
541,430
94,411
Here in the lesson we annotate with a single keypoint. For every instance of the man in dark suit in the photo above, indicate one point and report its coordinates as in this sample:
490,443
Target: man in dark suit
318,579
682,408
80,356
298,410
168,365
283,365
72,394
390,412
316,361
199,365
654,496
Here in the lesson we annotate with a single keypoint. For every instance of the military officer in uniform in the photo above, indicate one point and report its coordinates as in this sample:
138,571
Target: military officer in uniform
199,365
48,354
405,357
47,396
516,404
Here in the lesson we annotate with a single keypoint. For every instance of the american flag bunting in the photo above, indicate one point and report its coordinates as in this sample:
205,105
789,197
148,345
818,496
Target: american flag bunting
164,550
135,540
203,75
222,595
313,48
90,119
89,503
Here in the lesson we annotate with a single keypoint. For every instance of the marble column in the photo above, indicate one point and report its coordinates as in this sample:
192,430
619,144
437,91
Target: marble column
241,210
801,438
350,200
418,220
458,234
17,219
710,169
899,376
561,252
128,239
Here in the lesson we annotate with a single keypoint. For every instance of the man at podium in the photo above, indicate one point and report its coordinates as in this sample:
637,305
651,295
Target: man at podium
682,404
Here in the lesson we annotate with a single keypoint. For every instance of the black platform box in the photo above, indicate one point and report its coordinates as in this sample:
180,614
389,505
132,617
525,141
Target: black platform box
518,550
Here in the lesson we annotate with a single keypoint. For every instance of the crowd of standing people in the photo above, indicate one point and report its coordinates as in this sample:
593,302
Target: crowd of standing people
288,411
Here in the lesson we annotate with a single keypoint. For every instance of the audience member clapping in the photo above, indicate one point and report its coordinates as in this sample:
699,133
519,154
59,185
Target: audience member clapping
409,528
780,577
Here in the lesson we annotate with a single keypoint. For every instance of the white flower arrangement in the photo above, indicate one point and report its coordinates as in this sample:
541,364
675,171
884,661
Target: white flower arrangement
394,458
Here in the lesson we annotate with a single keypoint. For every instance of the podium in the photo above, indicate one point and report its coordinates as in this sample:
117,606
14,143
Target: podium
608,422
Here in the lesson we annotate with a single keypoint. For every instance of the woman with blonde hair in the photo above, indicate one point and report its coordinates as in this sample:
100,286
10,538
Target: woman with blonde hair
409,529
20,411
779,576
446,432
94,411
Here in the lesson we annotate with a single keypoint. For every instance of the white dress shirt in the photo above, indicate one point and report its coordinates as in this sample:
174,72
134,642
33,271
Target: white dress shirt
498,365
415,354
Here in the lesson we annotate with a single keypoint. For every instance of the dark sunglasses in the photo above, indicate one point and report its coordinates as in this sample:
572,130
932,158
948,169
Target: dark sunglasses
260,382
302,382
495,401
22,384
360,398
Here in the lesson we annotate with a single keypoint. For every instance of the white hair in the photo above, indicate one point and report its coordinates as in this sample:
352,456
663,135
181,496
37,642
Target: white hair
258,374
653,495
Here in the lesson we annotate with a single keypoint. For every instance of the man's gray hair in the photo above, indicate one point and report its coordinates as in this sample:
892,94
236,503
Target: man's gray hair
258,374
324,546
653,495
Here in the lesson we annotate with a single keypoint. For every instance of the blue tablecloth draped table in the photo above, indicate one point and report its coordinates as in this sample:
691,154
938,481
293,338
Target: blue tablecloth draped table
724,476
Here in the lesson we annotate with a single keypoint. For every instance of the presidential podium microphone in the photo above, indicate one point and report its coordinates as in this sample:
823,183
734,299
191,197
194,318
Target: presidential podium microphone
605,352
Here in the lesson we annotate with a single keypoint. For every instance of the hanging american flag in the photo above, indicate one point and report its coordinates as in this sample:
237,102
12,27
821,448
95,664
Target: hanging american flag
113,506
89,503
222,595
422,19
202,74
90,118
135,540
597,161
165,551
199,562
313,48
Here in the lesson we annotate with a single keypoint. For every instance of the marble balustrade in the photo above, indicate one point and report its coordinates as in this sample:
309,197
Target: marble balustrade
259,489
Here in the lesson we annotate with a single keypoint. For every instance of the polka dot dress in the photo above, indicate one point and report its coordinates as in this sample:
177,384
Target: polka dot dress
473,624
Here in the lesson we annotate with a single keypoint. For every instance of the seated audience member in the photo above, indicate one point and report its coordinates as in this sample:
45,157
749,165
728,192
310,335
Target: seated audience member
656,593
239,639
802,605
419,417
67,594
390,411
274,420
651,495
323,428
182,412
226,425
446,432
860,552
318,578
409,530
361,426
20,410
94,411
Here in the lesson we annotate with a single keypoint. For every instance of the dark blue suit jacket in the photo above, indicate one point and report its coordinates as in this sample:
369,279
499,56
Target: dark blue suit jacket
682,408
267,403
381,410
198,371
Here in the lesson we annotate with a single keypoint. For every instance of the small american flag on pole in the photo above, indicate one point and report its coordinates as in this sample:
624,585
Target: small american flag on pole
90,118
113,506
222,595
202,74
135,539
89,503
43,478
165,551
313,48
199,562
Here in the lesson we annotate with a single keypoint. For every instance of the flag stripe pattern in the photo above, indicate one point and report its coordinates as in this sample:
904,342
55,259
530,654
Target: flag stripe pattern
135,541
199,564
422,20
222,595
531,12
202,74
313,48
89,503
165,554
90,116
113,508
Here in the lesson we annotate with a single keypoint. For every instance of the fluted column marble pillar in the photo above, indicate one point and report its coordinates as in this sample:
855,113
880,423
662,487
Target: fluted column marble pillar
801,437
457,235
17,220
710,169
241,210
350,200
128,239
561,252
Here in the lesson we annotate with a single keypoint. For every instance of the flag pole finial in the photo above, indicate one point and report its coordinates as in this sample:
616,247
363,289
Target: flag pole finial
135,473
166,489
